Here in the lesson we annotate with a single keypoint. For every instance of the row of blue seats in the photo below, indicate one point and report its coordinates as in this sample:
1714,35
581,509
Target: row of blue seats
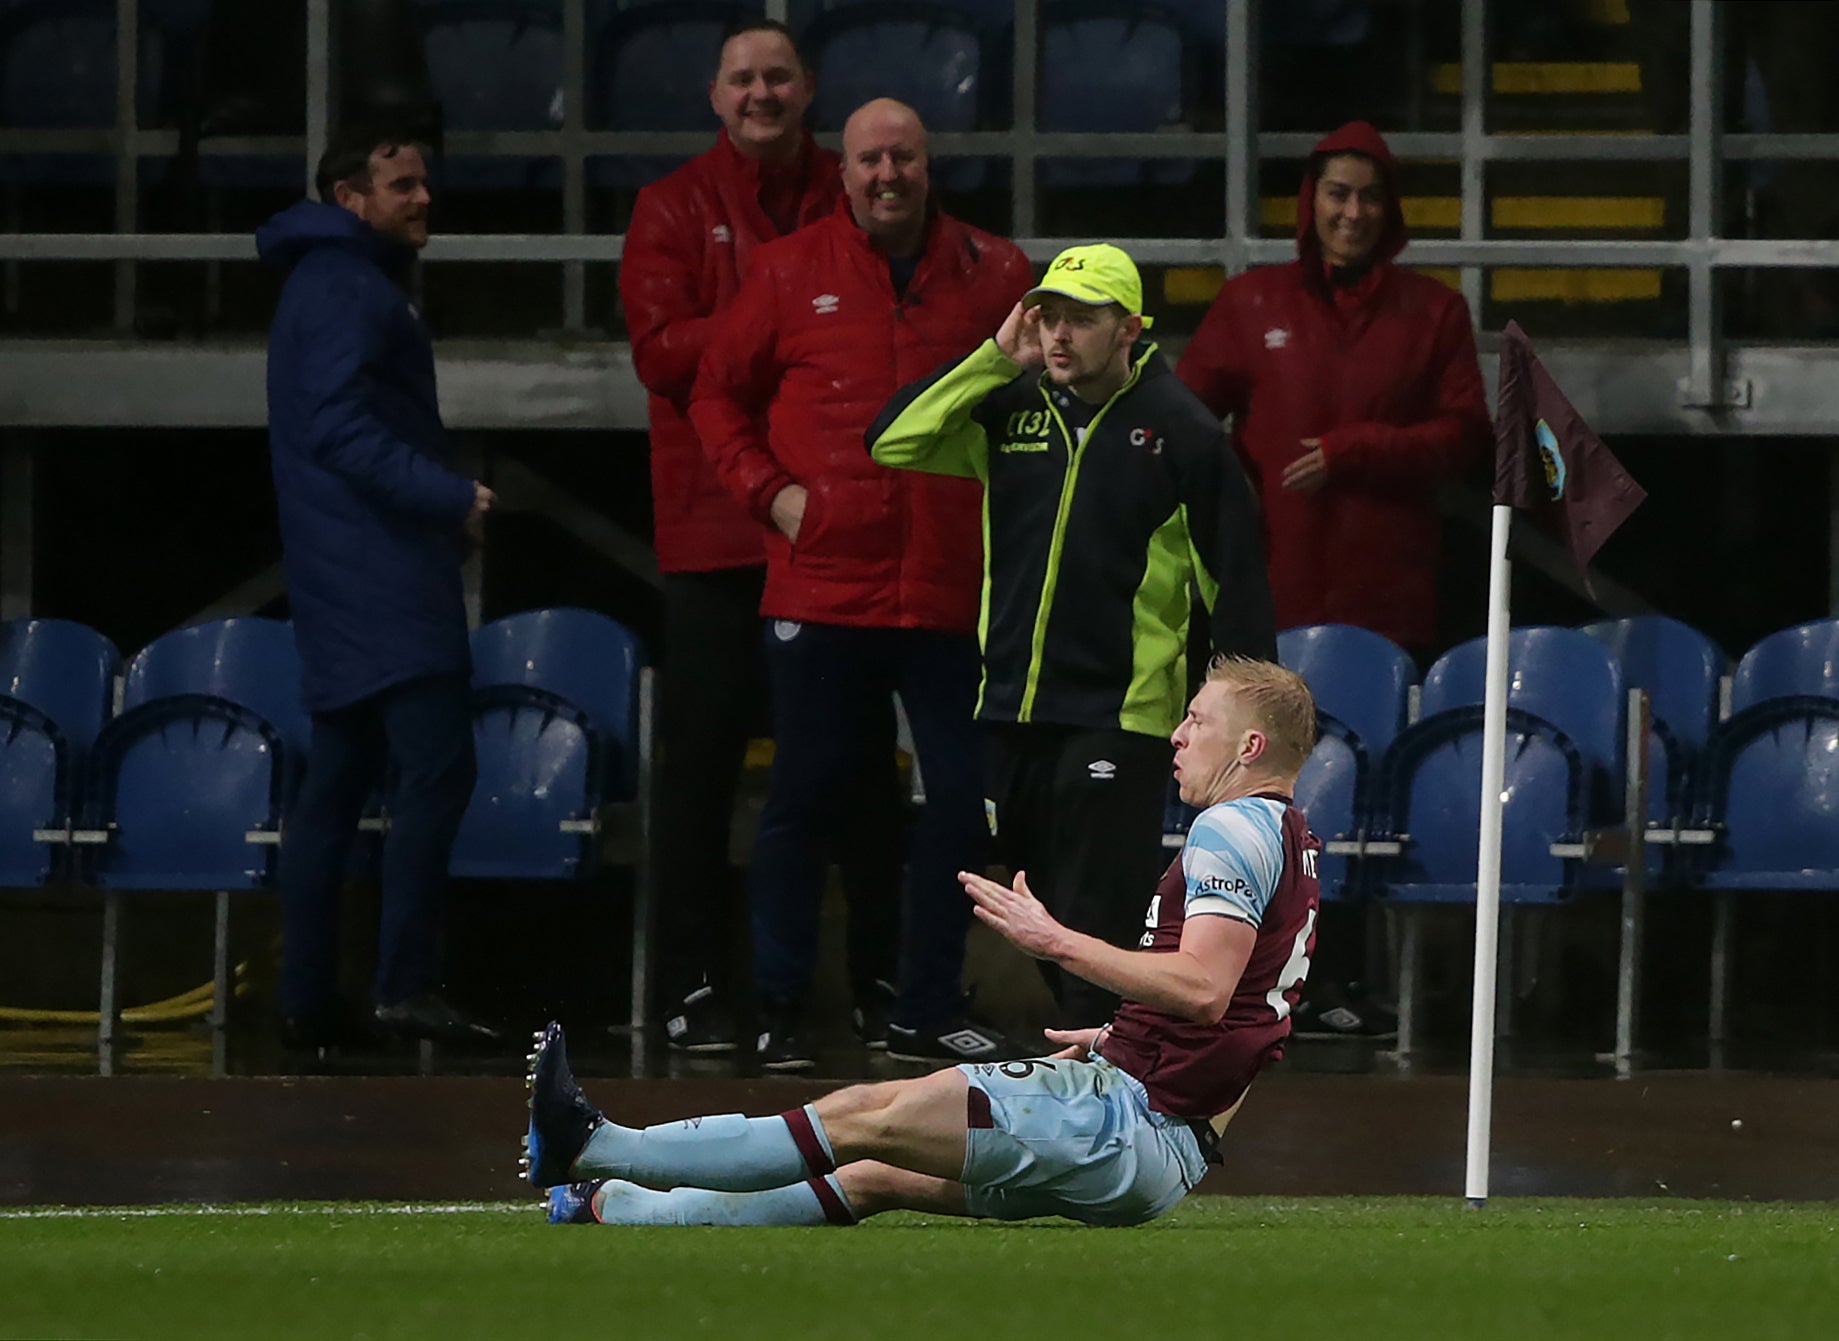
1742,780
185,782
496,65
1742,771
178,774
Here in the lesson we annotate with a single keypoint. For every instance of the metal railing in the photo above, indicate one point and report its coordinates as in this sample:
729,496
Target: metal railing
1701,253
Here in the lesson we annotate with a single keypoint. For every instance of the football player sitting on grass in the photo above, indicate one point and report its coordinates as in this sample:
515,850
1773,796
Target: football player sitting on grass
1113,1129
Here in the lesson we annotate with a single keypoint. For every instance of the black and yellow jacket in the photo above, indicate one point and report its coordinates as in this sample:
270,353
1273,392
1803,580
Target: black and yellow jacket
1090,546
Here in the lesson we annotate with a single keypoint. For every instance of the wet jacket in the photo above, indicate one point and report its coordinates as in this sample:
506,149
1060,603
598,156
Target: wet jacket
370,505
1093,544
692,237
1384,373
814,346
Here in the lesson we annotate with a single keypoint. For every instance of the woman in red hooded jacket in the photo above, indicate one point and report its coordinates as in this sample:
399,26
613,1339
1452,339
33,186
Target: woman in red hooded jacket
1354,391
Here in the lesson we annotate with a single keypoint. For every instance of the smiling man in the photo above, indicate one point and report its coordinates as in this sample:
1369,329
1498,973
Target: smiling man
374,520
692,240
1113,1129
1108,491
871,574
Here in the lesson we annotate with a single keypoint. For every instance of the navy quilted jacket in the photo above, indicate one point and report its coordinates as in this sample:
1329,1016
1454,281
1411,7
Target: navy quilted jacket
371,508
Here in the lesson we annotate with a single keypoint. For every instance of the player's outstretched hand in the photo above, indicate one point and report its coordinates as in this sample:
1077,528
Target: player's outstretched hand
1017,915
1076,1044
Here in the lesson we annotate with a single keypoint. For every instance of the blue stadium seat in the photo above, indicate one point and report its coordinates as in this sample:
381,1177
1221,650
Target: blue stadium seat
180,783
215,710
57,683
496,65
940,60
190,781
1564,749
64,669
1360,678
536,807
1680,669
583,658
249,661
1772,771
1115,65
171,32
57,72
650,69
1772,793
1769,785
1800,660
1360,681
563,730
1563,746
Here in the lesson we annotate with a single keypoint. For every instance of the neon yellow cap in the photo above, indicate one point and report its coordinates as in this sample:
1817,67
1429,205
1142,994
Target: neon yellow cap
1097,273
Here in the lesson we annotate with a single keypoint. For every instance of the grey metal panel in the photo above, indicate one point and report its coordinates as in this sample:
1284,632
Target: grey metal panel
47,383
604,247
1621,388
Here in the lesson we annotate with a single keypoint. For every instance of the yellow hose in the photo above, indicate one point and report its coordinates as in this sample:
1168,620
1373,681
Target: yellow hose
190,1005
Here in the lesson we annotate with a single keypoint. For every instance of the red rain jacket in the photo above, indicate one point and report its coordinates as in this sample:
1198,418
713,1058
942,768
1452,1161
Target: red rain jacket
692,237
1385,374
811,350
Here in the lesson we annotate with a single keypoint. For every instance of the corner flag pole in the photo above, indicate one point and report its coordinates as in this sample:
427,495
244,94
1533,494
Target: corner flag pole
1488,862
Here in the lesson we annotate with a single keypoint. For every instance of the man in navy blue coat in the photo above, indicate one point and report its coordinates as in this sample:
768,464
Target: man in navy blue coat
374,527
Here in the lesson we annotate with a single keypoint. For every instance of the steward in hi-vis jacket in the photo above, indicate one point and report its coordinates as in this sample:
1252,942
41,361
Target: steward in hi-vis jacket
1109,493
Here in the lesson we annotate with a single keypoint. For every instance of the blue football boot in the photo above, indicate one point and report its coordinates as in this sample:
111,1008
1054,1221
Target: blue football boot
573,1203
561,1118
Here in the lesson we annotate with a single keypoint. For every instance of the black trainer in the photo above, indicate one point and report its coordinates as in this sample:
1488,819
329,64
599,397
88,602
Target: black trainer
782,1045
430,1015
870,1015
1329,1012
959,1039
701,1023
561,1118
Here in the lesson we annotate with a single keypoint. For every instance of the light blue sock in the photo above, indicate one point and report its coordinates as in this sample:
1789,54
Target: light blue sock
728,1153
817,1201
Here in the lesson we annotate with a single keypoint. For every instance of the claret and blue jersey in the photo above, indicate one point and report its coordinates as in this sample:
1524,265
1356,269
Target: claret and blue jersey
1252,859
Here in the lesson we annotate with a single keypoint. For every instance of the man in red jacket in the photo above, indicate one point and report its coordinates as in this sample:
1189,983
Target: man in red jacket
1354,391
692,237
873,574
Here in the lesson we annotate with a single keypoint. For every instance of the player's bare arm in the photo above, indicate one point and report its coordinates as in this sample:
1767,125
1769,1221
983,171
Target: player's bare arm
1195,981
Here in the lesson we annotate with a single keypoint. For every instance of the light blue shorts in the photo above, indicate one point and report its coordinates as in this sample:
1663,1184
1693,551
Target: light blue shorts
1074,1138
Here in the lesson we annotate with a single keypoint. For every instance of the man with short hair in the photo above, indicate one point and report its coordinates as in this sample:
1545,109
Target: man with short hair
1355,394
374,521
692,239
1108,492
871,582
1114,1129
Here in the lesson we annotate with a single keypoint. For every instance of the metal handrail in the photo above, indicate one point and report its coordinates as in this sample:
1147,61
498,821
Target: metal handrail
1704,149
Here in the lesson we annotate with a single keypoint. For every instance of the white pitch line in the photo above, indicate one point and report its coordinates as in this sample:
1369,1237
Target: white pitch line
354,1208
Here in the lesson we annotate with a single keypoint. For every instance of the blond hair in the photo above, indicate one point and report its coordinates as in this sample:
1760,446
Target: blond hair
1281,706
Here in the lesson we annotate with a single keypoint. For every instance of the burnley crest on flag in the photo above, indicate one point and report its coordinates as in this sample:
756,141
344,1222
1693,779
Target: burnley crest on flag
1549,462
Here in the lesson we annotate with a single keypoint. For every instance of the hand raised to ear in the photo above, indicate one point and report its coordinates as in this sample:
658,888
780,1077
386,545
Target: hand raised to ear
1020,337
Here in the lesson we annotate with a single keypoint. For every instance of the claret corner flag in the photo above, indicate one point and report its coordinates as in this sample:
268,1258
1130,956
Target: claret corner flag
1549,462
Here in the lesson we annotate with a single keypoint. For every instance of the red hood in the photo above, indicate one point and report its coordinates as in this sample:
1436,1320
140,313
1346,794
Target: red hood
1361,138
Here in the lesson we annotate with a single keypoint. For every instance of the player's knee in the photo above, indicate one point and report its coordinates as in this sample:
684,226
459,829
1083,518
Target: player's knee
861,1116
869,1186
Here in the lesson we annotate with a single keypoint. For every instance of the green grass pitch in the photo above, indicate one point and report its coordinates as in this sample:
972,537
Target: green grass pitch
1216,1267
